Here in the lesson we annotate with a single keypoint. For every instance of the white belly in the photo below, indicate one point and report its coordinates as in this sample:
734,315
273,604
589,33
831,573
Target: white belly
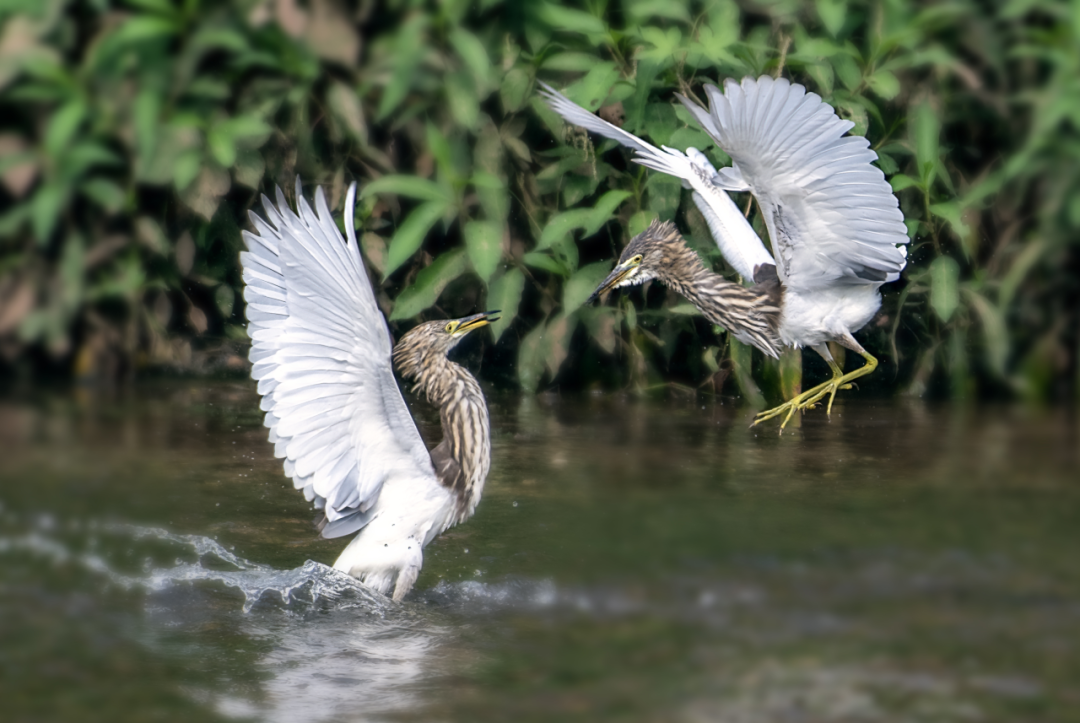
813,317
388,551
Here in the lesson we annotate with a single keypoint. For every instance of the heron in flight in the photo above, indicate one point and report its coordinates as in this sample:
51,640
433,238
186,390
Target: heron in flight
321,353
836,228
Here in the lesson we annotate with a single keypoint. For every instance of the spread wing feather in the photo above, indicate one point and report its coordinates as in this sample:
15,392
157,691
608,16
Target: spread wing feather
831,215
321,354
731,231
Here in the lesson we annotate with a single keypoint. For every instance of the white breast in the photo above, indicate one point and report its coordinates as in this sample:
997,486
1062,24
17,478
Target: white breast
823,314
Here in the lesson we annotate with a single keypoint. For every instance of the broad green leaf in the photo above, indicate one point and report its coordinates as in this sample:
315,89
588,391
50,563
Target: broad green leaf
995,333
569,20
493,195
566,252
46,206
222,146
684,138
224,298
440,149
665,192
569,62
899,182
410,235
832,14
164,7
581,285
952,213
82,156
648,10
472,52
713,42
667,45
410,186
143,28
530,362
104,193
591,91
684,308
884,84
555,343
660,122
544,262
346,107
406,58
847,70
461,99
640,221
944,287
145,112
562,224
504,294
741,365
186,169
250,130
601,213
925,131
600,322
63,125
515,89
429,284
483,241
221,37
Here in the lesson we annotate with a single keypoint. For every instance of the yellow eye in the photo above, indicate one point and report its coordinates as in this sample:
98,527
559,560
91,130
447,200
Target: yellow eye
636,259
450,327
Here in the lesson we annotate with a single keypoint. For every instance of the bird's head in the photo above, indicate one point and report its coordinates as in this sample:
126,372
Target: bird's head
648,255
427,344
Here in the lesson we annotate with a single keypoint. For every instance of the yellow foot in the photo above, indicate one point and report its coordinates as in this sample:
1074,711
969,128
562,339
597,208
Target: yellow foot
802,402
808,399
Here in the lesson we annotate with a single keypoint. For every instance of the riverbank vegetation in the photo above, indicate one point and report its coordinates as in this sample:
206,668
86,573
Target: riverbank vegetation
136,134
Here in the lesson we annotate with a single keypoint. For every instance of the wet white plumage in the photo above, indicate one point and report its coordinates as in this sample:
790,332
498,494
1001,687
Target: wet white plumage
836,228
321,354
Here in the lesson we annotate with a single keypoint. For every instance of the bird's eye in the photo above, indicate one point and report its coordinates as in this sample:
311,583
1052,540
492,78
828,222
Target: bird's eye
450,328
636,259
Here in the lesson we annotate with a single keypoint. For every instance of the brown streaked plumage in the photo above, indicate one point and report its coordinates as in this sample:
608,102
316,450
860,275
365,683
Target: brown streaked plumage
463,457
659,252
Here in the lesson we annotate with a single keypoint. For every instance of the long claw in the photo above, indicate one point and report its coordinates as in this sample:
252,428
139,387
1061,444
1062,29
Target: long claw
810,398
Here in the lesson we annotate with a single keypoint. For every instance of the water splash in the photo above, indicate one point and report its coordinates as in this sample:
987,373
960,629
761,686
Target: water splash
312,585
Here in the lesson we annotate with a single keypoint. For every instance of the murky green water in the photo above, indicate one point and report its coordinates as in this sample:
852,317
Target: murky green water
638,561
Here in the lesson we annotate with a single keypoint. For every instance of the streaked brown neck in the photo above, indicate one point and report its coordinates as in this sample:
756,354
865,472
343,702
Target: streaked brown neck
748,313
463,458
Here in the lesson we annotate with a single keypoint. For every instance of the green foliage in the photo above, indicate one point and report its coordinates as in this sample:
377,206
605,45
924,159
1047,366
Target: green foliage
135,135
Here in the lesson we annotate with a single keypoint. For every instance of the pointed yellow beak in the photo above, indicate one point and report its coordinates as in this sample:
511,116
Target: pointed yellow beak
617,276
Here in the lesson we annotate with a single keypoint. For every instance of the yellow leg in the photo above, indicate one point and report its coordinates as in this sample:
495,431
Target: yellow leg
808,399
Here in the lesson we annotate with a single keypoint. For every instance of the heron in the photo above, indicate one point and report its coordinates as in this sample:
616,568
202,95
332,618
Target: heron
836,227
323,357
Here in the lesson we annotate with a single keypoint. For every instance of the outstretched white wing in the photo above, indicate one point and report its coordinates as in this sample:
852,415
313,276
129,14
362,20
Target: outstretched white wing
831,215
733,234
321,355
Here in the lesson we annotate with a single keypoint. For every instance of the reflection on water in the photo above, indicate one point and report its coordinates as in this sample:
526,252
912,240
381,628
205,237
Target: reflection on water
630,560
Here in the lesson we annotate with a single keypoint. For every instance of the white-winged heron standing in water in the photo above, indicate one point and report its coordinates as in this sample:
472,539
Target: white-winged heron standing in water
322,356
836,228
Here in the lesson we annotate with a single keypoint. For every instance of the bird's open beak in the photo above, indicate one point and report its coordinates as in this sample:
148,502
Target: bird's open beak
476,321
618,274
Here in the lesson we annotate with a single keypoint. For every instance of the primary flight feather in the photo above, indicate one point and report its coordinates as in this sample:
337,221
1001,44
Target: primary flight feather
322,355
836,228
